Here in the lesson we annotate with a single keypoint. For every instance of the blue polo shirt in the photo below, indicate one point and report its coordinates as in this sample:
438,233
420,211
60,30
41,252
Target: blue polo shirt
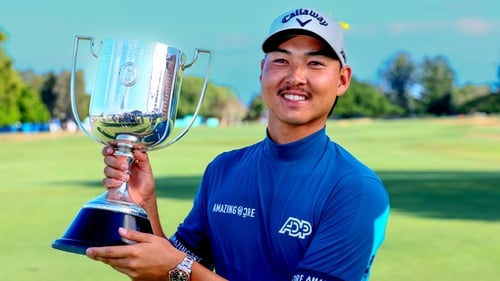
306,210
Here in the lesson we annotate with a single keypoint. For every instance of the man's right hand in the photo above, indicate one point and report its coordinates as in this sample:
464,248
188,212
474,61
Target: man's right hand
141,185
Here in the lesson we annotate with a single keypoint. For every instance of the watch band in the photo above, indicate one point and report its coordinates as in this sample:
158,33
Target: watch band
182,272
186,264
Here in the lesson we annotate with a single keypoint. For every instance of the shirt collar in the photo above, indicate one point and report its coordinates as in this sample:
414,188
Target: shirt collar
296,150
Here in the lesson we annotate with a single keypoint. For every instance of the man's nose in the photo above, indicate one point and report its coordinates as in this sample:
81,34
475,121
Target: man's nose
296,75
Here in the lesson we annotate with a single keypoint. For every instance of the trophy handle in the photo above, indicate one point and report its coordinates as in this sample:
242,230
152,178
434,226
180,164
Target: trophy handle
74,108
201,98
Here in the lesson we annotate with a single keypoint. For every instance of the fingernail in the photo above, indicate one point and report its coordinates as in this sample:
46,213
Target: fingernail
122,230
89,252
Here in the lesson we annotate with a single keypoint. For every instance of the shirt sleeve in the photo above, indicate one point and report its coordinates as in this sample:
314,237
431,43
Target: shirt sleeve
190,236
350,231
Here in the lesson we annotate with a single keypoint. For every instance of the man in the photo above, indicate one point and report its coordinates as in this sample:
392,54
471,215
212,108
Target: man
295,206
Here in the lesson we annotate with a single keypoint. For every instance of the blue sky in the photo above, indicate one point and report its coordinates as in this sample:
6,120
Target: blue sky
466,32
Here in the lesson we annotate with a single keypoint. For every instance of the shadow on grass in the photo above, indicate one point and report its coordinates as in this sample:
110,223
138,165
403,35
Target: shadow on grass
447,195
171,187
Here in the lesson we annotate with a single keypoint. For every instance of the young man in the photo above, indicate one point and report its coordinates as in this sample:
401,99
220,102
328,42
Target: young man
294,206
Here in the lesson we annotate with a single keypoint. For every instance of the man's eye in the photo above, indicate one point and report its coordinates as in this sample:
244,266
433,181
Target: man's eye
314,62
280,61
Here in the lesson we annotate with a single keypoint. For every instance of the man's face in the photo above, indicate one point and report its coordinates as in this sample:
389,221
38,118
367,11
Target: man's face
299,83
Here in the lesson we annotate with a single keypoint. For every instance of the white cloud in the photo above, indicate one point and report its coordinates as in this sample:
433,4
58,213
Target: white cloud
397,28
462,26
476,26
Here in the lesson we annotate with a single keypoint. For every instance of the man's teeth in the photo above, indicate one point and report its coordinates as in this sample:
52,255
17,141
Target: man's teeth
294,97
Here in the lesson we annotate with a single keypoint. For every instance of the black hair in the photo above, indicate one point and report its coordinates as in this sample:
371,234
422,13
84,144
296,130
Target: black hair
333,106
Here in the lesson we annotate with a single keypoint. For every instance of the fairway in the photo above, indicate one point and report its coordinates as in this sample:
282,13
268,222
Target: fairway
442,175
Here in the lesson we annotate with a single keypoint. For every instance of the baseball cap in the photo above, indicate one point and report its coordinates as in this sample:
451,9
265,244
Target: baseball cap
307,21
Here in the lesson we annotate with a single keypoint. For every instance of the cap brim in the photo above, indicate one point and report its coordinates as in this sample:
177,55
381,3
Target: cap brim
273,41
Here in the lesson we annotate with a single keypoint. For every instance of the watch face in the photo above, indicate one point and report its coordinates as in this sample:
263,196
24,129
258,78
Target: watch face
178,275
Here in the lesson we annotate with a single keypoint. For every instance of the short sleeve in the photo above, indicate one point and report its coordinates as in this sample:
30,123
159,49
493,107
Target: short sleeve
350,231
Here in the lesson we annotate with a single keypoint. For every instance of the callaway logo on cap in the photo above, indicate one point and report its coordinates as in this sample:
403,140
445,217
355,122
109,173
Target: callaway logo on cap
305,21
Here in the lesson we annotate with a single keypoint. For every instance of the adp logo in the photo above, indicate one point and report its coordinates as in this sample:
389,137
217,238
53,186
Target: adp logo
296,228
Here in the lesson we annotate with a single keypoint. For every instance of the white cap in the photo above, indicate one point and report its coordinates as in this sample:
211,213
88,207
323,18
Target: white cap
306,21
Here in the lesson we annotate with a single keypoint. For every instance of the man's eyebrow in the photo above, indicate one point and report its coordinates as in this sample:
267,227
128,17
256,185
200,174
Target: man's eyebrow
282,51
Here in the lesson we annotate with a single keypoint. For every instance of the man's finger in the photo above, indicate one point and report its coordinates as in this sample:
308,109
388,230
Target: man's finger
135,235
107,150
106,253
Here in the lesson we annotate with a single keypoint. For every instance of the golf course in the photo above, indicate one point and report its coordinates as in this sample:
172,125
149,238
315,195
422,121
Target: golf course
442,175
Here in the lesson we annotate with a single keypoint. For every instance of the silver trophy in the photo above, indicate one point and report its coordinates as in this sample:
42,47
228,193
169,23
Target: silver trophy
133,106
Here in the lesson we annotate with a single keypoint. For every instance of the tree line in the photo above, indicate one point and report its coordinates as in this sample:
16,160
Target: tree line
27,97
408,89
429,88
411,89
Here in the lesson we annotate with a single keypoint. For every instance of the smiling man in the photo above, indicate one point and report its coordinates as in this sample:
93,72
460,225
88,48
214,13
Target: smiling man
294,206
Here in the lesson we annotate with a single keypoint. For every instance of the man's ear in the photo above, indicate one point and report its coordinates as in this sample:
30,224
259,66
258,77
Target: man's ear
261,67
344,80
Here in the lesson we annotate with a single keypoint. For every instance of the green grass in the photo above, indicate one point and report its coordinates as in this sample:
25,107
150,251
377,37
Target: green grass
443,177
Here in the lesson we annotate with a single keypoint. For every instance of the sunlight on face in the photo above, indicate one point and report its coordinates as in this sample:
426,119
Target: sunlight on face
300,82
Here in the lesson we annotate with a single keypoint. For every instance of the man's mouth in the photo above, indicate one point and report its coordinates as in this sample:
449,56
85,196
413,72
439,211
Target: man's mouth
294,97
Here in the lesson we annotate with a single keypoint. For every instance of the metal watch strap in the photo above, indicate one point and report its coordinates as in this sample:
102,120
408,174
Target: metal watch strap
186,263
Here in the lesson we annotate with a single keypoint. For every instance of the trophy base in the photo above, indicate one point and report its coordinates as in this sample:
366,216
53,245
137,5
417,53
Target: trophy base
95,227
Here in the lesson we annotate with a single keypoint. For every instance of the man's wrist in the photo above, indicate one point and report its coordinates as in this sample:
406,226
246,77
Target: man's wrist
182,272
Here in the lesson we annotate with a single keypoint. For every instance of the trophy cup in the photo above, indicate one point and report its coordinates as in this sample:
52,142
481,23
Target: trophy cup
133,106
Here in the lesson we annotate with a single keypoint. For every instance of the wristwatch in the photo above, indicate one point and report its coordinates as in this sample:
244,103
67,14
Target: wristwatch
182,272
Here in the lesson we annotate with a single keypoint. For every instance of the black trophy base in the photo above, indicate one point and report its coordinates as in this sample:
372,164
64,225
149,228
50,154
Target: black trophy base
94,227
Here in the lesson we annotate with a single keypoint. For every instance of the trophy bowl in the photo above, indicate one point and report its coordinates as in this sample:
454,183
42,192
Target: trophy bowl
133,106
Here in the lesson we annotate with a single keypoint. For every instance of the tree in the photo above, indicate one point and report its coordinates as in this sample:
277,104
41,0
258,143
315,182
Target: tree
81,96
256,109
55,93
48,95
399,75
31,107
62,106
218,102
436,78
19,101
485,104
466,94
10,88
498,79
33,80
362,99
229,111
189,96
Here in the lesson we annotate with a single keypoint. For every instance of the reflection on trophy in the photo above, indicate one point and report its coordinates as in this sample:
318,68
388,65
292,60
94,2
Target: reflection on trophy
133,106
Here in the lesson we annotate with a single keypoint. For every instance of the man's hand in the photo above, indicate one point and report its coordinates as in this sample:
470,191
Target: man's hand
149,259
